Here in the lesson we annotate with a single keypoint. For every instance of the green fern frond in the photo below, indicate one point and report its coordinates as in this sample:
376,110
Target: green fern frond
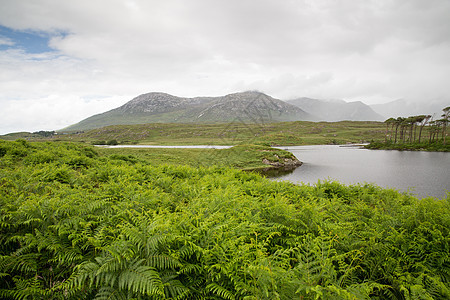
29,288
25,263
174,289
108,293
220,291
163,262
141,279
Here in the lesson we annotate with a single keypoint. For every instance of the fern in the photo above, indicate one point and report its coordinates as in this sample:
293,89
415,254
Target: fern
219,291
141,279
75,225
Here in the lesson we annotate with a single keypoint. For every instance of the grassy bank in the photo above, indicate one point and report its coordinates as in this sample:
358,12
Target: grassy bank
435,146
77,224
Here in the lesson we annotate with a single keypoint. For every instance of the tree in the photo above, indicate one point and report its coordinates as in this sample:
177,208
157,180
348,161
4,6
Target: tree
435,128
410,122
398,122
445,120
423,120
389,122
403,128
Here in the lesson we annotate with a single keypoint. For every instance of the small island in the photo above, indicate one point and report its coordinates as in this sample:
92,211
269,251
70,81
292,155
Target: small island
245,157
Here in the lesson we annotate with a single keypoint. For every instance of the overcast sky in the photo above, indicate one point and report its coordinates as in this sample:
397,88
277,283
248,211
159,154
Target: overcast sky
62,61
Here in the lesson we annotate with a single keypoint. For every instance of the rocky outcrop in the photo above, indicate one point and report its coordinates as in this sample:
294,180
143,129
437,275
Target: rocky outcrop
285,163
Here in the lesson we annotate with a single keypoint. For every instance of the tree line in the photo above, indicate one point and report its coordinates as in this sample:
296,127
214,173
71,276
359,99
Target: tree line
421,132
410,129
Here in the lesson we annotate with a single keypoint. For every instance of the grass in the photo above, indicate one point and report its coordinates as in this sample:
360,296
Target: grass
240,157
21,135
435,146
273,134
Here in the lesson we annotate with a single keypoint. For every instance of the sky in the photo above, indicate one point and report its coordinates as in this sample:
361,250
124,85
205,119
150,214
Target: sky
63,61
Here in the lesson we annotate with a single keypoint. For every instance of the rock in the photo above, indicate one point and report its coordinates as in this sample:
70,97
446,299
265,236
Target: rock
288,163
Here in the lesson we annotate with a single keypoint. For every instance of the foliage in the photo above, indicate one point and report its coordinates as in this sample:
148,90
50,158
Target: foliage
435,146
242,156
76,225
407,133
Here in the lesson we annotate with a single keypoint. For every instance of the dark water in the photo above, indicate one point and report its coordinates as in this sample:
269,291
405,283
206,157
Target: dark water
420,173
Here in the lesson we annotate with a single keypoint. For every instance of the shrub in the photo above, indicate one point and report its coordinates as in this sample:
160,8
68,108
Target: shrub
112,142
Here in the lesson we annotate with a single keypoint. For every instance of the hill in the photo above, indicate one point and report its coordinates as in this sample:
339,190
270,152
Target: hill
254,107
339,110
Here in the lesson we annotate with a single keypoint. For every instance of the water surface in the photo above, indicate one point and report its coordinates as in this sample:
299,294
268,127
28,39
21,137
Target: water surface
419,172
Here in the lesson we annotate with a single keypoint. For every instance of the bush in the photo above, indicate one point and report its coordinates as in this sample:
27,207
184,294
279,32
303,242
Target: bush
112,143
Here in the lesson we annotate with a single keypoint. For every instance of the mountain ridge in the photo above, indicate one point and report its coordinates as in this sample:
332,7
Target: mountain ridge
158,107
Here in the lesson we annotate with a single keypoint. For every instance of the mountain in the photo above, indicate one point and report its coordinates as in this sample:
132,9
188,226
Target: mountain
164,108
337,110
404,108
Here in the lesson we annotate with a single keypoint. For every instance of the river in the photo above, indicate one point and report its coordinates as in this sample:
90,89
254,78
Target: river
420,173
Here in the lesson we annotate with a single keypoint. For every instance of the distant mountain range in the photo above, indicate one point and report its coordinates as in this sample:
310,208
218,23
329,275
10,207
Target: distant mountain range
250,106
403,108
337,110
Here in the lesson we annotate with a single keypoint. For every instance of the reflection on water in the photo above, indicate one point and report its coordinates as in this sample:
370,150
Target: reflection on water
421,173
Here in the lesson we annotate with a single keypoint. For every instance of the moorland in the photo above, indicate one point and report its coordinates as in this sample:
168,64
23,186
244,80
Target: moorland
234,133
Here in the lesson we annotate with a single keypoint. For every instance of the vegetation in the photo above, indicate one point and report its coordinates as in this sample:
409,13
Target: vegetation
78,225
435,146
407,133
240,157
28,135
273,134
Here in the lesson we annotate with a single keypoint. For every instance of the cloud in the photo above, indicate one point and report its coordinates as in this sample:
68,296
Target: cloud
355,50
4,41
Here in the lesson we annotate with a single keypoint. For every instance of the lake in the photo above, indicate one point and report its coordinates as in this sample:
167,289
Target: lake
421,173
